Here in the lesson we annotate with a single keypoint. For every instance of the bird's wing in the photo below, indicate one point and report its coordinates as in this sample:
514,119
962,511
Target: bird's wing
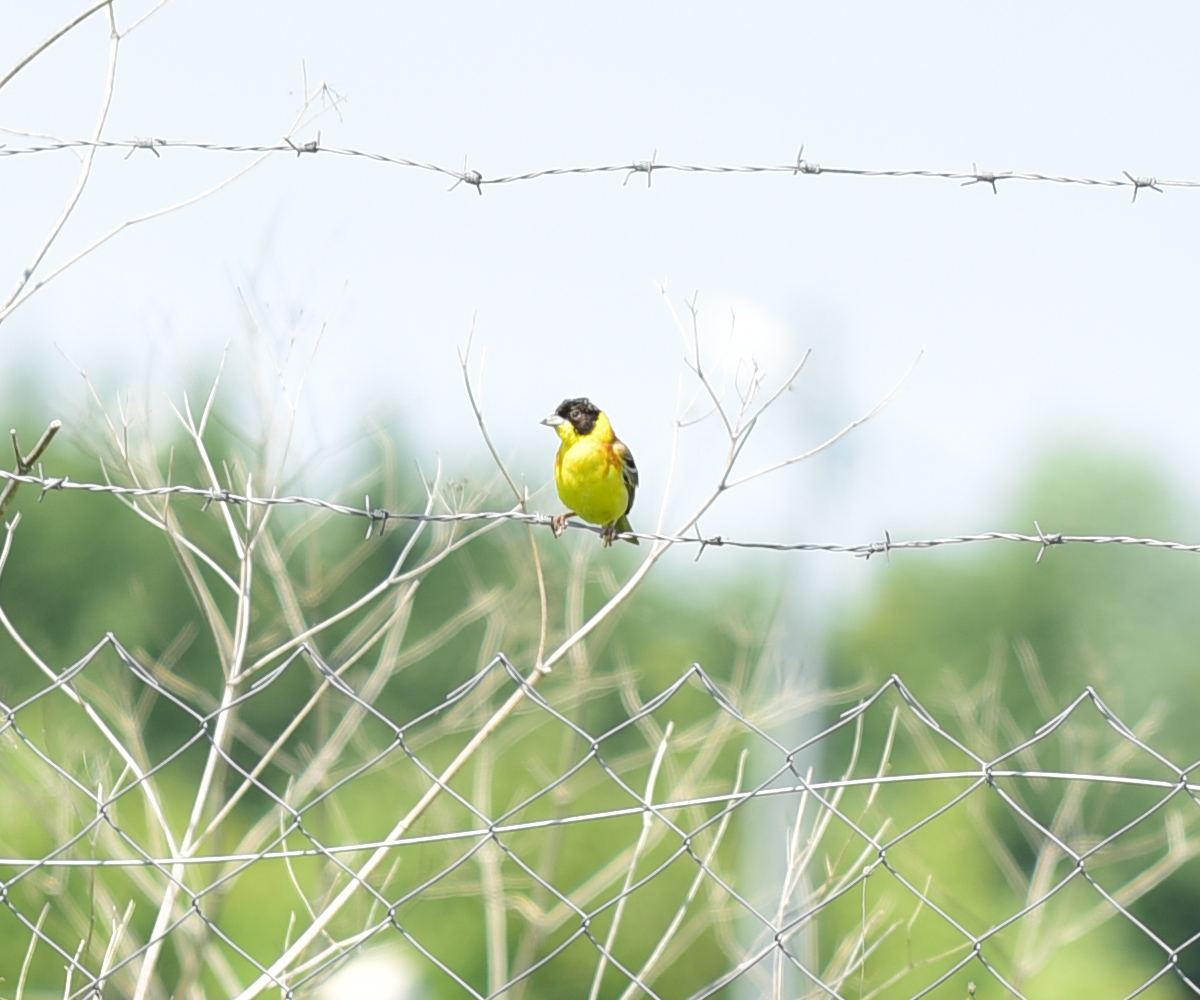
629,473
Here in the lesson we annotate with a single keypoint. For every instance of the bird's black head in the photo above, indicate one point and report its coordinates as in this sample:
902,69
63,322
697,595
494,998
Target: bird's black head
581,413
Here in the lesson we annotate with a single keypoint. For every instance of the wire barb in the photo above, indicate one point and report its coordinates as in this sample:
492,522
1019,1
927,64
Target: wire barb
472,177
1046,540
48,484
803,166
705,542
375,514
646,167
221,495
1141,182
144,143
874,548
312,146
985,177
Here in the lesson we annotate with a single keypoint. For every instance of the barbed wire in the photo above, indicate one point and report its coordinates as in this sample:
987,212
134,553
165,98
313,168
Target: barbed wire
474,178
381,517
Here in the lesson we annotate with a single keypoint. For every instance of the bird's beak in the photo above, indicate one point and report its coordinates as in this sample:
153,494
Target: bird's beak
553,420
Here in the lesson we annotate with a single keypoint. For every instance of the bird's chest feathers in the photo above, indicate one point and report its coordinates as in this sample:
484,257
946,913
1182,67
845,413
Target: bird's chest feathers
589,481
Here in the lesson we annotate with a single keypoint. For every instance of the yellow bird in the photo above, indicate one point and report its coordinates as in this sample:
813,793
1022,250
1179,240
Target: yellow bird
594,471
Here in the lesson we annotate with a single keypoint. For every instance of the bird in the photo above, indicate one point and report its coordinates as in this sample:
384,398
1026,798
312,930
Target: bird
594,470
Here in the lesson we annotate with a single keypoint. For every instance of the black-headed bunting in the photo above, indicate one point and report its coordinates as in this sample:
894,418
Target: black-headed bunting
594,471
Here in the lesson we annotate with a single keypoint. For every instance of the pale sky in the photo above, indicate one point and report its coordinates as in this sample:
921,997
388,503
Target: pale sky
1048,314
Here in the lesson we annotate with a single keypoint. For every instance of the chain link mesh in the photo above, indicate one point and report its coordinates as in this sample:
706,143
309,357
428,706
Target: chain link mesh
864,859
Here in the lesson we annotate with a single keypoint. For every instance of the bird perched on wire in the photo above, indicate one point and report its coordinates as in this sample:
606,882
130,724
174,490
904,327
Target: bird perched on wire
594,471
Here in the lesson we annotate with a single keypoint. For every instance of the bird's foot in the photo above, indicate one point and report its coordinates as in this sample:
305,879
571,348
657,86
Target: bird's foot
558,523
608,534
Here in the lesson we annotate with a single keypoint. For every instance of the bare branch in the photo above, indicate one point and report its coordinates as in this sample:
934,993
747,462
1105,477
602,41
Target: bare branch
85,172
37,50
829,442
25,462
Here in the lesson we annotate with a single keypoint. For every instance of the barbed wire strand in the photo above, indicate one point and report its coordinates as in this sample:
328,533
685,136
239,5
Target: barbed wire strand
474,178
380,516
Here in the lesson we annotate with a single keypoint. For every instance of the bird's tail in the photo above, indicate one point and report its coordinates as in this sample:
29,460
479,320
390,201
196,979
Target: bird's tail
623,525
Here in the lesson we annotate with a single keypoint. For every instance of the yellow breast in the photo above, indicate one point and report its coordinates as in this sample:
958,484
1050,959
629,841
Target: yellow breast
588,476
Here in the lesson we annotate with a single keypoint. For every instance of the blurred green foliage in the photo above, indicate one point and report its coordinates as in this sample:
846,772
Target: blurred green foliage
991,642
995,645
1093,613
83,565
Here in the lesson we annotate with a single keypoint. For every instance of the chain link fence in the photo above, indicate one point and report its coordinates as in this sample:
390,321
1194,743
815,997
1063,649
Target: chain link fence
643,859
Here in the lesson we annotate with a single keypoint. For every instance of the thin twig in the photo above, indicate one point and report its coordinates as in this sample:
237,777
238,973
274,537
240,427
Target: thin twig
25,462
37,50
85,170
